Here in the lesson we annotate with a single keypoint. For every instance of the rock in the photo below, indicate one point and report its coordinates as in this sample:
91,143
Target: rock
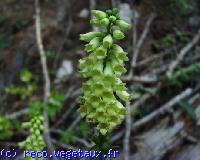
84,13
191,152
65,70
125,12
154,144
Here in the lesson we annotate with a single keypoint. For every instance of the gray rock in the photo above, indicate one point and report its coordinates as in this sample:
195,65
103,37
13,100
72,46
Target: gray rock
194,21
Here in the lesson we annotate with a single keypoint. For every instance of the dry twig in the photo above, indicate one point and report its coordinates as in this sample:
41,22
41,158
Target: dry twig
17,114
127,134
47,84
141,40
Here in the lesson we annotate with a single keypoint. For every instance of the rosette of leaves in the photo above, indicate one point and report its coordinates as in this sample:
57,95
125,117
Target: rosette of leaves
34,142
103,91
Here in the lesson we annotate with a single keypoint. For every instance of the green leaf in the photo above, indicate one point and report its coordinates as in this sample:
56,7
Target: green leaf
83,129
67,137
189,109
25,75
5,40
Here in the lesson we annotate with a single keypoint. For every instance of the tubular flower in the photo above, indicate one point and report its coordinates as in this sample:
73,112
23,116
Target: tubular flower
103,90
34,142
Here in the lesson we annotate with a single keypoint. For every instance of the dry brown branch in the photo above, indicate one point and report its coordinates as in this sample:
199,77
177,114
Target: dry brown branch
47,83
163,108
182,53
17,114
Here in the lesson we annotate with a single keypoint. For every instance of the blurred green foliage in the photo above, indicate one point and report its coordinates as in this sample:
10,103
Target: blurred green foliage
20,23
181,7
5,40
67,137
189,109
184,74
6,128
27,89
168,41
55,103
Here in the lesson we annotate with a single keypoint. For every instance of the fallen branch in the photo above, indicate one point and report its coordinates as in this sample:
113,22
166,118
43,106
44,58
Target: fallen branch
163,109
17,114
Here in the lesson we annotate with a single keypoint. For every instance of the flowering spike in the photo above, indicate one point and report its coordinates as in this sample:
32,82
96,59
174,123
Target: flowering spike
34,141
103,68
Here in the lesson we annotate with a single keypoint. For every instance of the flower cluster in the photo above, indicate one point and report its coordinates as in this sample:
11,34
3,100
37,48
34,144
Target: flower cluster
34,142
102,92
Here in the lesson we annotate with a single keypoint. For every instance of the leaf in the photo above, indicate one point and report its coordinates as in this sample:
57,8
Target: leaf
188,108
83,129
5,40
35,107
55,103
67,137
25,75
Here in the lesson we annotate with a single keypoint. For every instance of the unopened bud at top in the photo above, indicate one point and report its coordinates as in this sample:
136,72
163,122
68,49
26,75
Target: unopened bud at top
98,14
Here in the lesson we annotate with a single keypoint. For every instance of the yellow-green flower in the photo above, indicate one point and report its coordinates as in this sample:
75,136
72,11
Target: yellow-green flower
103,91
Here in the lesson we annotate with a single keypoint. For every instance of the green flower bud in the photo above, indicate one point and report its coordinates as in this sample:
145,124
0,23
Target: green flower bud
118,35
98,14
112,18
96,22
104,22
26,125
123,25
107,41
89,36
